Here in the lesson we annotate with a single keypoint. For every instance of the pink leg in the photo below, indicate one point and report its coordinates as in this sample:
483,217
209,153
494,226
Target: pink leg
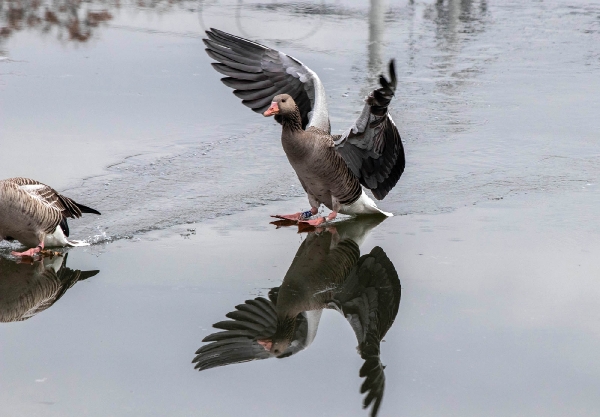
320,220
297,216
31,251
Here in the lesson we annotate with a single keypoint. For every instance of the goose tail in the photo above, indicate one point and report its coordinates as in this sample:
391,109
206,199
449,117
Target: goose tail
364,205
385,213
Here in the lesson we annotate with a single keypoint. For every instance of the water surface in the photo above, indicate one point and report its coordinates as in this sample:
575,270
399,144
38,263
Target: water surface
494,238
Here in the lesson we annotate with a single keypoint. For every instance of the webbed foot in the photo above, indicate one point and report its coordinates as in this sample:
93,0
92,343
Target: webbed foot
296,217
313,222
31,252
291,217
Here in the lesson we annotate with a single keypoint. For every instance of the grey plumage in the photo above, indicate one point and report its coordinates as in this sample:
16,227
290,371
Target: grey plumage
331,169
26,290
372,147
322,172
31,211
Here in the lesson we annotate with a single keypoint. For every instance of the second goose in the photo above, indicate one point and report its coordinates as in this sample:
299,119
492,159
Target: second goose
36,215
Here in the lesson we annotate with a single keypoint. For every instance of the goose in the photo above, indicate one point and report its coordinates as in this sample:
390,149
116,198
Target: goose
28,289
326,273
331,168
36,215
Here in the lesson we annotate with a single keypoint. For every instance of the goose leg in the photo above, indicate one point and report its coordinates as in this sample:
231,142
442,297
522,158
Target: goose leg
31,251
298,216
320,220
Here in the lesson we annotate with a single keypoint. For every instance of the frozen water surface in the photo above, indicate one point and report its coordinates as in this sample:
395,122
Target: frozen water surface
494,242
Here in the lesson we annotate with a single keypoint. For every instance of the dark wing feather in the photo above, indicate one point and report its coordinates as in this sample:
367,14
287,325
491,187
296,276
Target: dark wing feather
258,73
369,299
374,383
372,147
48,196
238,342
86,209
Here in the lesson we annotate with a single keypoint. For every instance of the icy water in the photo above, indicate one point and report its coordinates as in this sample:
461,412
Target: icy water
494,241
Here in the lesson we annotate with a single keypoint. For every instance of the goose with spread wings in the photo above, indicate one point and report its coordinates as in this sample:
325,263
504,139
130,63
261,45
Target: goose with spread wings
36,215
331,168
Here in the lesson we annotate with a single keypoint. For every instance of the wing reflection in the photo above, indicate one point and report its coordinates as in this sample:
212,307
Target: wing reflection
28,289
326,273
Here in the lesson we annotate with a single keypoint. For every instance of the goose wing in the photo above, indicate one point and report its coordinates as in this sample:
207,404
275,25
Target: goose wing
237,342
258,73
254,320
51,198
369,299
372,147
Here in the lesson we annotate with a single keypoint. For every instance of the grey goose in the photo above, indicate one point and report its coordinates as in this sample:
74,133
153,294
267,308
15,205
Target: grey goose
36,215
331,168
327,273
28,289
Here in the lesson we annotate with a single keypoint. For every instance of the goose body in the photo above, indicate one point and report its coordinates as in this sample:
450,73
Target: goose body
324,174
36,214
331,168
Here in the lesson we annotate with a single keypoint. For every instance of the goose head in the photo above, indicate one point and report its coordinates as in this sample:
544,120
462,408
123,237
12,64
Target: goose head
279,342
282,105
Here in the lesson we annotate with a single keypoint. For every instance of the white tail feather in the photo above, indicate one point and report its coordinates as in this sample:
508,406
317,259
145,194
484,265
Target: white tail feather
58,239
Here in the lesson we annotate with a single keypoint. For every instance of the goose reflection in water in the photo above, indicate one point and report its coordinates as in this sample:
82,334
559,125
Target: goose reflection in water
327,272
28,289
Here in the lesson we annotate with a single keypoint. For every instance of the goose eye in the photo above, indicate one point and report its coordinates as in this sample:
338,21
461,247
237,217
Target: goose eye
283,101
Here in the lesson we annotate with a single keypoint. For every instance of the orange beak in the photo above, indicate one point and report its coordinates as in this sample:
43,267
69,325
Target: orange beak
274,109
